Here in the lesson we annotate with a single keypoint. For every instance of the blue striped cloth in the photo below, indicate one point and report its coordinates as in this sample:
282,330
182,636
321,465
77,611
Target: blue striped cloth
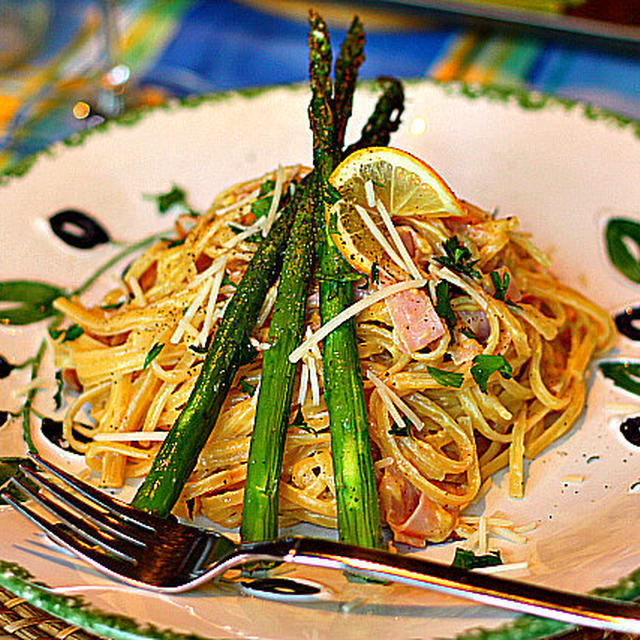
186,47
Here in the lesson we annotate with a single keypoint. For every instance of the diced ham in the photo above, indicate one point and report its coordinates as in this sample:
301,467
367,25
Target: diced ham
414,518
414,317
70,378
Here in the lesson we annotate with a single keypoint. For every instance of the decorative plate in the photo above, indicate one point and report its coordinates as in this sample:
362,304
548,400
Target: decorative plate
563,169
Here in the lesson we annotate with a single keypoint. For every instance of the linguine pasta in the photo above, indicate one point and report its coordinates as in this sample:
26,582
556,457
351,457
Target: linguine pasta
437,431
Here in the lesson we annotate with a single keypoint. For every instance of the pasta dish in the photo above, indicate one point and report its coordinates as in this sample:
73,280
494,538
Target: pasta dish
473,356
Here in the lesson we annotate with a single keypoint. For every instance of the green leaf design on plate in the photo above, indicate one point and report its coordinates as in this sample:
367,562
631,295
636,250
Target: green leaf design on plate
33,301
619,233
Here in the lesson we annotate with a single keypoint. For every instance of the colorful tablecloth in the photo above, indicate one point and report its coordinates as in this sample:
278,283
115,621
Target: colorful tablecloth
186,47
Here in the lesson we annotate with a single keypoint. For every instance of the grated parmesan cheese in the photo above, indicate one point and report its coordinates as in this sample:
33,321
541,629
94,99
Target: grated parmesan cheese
304,382
211,304
394,398
503,568
184,324
239,203
247,233
395,236
370,194
135,436
275,200
350,312
379,236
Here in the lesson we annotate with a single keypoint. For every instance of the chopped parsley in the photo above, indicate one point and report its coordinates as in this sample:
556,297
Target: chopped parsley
401,430
57,396
443,305
466,559
246,386
114,305
172,198
152,354
261,207
68,335
500,285
446,378
484,366
458,258
375,273
267,187
299,423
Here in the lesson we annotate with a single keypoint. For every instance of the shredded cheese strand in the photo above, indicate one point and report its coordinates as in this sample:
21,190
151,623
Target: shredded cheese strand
396,400
275,200
352,311
378,235
395,236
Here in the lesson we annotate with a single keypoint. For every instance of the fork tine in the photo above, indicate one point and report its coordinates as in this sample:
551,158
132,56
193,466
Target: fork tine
58,534
83,528
100,518
112,505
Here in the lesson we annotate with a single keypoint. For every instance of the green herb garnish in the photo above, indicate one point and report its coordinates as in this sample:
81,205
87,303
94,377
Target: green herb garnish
484,366
446,378
114,305
500,284
267,187
457,258
401,430
152,354
68,335
33,301
466,559
443,305
174,197
57,396
261,207
246,386
375,273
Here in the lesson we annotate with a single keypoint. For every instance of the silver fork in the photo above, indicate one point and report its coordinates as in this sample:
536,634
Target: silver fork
166,556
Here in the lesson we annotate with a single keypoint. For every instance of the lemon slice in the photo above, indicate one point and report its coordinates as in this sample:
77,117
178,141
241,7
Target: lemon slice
377,184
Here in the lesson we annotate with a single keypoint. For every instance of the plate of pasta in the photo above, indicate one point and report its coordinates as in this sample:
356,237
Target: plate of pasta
488,253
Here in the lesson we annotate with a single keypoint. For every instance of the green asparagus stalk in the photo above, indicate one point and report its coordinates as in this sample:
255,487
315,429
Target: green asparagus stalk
179,452
346,67
260,506
385,118
356,494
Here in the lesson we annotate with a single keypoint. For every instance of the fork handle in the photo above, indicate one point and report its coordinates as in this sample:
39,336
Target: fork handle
570,608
